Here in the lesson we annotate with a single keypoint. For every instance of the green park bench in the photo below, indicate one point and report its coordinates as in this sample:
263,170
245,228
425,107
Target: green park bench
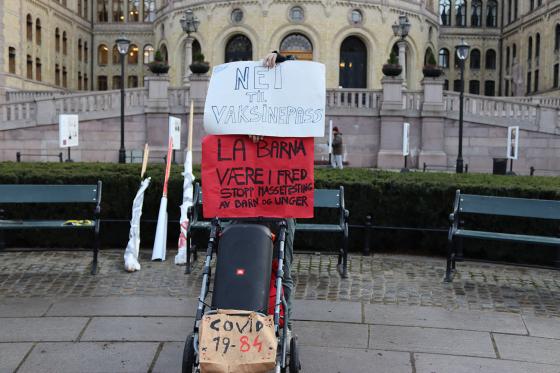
497,206
19,194
323,198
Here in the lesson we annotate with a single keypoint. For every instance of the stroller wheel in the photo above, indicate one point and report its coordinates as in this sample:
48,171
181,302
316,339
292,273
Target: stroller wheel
188,355
295,364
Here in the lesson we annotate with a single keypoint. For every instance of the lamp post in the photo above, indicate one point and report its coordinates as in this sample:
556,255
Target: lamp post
401,29
122,45
462,53
190,24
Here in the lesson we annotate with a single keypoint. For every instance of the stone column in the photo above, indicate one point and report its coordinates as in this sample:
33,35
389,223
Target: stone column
188,59
157,112
199,88
432,142
402,60
390,139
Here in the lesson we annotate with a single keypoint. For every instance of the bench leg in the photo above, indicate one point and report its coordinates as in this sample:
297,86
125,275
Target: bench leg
343,256
189,248
95,250
450,265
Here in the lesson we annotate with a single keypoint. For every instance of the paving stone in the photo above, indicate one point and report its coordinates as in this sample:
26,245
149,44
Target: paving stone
313,310
11,354
24,307
436,317
33,329
170,358
414,339
531,349
323,334
138,329
547,327
429,363
346,360
98,357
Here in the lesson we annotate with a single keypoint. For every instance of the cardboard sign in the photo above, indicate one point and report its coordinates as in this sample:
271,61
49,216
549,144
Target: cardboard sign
272,178
406,139
232,341
68,130
513,142
175,132
248,98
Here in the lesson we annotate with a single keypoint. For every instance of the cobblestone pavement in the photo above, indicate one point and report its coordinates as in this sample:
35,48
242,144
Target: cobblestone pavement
380,279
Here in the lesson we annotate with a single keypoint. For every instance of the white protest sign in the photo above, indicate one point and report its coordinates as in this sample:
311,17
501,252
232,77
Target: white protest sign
513,142
175,132
405,139
68,130
248,98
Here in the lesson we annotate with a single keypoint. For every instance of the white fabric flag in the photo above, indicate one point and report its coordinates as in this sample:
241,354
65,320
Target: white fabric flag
131,263
181,257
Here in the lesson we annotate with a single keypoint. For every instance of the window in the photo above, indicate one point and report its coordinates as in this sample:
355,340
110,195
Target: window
164,54
38,31
492,14
536,88
102,55
133,11
530,52
356,17
64,77
528,82
476,13
514,53
237,16
239,48
457,85
64,43
445,12
446,85
116,82
101,82
537,49
57,40
531,4
555,82
489,88
490,60
38,69
148,54
79,49
85,52
474,87
79,80
133,55
460,13
29,67
86,81
118,13
149,10
507,60
506,89
296,14
510,8
57,74
116,56
353,63
132,81
298,45
12,60
429,54
79,8
102,11
444,58
29,31
475,59
85,12
515,8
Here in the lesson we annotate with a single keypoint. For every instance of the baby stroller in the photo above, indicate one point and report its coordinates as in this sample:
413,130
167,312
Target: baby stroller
246,247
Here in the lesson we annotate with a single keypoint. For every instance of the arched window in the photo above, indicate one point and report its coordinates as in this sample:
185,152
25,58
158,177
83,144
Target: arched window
444,58
12,60
353,63
196,49
445,12
164,54
79,80
490,60
118,11
57,74
85,52
515,8
102,10
297,45
133,55
514,52
64,43
460,13
29,30
79,8
102,55
85,12
475,59
64,77
492,14
38,31
79,49
428,56
148,53
530,52
531,4
508,61
510,8
57,40
29,67
489,88
476,13
86,82
102,83
132,81
116,82
116,56
38,69
238,48
133,10
557,38
474,87
537,48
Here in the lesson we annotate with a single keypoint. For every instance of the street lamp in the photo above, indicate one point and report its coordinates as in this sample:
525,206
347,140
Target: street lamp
401,29
190,24
122,45
462,53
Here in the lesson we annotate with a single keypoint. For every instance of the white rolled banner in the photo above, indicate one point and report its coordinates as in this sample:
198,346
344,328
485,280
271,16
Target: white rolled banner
160,240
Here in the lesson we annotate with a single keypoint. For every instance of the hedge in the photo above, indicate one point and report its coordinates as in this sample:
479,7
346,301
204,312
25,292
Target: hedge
412,200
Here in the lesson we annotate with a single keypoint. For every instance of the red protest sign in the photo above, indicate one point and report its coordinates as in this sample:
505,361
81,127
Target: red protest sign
272,178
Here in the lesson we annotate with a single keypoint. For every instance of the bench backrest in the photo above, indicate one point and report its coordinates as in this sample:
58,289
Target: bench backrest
506,206
24,193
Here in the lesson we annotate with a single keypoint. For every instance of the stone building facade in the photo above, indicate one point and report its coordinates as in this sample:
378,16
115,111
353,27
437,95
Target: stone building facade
70,44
